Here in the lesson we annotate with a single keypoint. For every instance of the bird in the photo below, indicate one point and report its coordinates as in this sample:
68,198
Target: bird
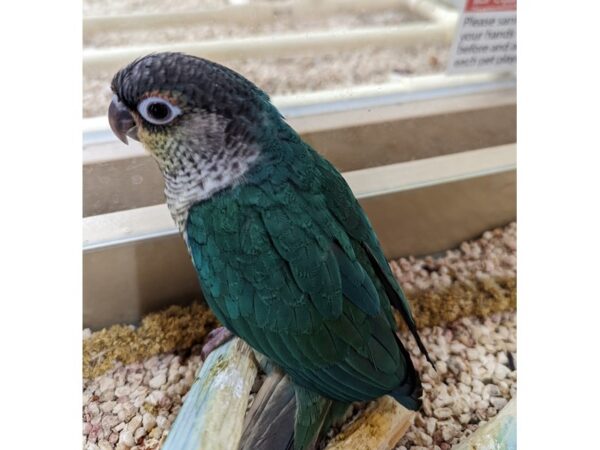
286,257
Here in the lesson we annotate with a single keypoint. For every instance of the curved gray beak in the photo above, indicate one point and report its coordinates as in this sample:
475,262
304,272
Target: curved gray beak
121,121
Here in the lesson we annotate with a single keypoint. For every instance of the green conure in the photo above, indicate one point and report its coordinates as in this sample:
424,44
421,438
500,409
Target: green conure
286,257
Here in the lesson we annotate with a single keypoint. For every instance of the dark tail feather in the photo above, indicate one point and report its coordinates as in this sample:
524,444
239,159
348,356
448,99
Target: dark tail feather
409,393
269,423
397,300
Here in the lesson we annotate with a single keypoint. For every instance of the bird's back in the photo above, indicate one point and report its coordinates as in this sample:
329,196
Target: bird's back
289,262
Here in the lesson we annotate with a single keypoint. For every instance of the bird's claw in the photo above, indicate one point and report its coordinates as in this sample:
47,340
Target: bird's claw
214,339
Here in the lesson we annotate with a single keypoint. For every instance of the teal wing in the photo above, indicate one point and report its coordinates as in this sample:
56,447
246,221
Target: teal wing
343,206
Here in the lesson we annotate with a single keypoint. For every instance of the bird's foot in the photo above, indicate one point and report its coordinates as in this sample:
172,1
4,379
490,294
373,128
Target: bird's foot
215,338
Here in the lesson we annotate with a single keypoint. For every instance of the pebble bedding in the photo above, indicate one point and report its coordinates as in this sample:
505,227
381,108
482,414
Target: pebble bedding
277,76
131,398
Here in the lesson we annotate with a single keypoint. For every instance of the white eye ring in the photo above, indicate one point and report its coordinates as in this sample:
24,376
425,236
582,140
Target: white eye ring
157,110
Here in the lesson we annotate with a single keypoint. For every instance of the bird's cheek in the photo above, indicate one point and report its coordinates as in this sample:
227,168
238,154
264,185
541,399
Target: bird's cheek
155,143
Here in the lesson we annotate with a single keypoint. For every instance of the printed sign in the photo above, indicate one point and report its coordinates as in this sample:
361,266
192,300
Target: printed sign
486,37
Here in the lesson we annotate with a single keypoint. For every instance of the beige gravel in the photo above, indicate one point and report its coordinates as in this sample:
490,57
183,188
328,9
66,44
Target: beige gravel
285,24
473,380
115,7
133,406
493,255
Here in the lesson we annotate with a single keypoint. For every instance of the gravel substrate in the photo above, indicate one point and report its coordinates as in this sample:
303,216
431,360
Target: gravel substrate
117,7
280,25
493,255
475,378
133,406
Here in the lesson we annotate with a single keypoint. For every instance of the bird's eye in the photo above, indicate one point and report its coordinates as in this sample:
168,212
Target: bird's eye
157,110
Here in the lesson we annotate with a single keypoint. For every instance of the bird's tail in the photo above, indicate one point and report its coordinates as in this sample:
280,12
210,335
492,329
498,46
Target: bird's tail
409,392
398,300
269,423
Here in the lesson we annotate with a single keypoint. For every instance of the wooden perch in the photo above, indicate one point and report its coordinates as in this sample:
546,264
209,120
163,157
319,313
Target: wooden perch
212,415
380,427
214,412
498,433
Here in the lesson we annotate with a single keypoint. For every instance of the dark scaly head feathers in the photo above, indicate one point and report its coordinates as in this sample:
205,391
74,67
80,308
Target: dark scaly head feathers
201,121
201,82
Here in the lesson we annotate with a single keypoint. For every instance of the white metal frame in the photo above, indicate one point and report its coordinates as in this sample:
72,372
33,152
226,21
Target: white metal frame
155,221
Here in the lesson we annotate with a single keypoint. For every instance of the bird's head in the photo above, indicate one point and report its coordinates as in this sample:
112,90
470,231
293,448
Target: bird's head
188,111
205,125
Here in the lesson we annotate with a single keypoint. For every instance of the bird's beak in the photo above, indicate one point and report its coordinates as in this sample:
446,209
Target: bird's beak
121,121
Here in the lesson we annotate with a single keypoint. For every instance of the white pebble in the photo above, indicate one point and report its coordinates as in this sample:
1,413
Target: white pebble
109,421
122,391
148,421
457,348
501,371
449,431
139,433
460,406
161,422
464,418
105,445
155,397
107,384
481,404
430,425
441,367
442,413
473,354
126,438
425,439
157,381
427,409
477,386
465,378
463,388
498,402
441,400
456,365
107,407
134,423
93,409
96,420
491,390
